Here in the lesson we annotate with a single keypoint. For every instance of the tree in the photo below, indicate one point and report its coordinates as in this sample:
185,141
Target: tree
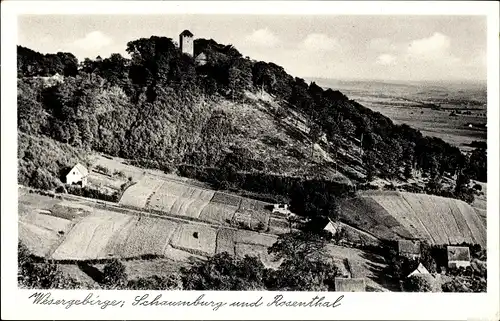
477,166
239,77
417,283
462,189
225,273
305,265
465,284
296,274
408,171
315,134
114,274
33,275
348,127
263,77
300,245
155,282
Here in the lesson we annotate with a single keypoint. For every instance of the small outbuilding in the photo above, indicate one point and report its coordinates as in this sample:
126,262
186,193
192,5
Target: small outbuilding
77,175
420,270
201,59
350,285
409,248
331,227
458,256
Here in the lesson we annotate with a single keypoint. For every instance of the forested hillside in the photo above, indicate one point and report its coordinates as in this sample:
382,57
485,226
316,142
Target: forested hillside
162,110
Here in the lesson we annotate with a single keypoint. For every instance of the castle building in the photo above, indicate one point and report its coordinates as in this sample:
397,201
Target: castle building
186,42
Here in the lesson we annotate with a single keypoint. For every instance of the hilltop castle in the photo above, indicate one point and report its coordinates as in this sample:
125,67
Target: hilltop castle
186,42
186,45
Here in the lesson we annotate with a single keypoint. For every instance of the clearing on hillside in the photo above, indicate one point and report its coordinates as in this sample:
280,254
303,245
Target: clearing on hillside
218,212
41,227
138,194
180,199
197,239
38,240
259,251
393,215
89,238
225,240
147,236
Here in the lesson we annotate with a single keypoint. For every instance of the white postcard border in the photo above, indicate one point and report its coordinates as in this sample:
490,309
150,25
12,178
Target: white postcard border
388,306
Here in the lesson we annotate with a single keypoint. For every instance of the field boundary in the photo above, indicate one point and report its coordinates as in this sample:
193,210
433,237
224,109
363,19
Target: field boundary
130,210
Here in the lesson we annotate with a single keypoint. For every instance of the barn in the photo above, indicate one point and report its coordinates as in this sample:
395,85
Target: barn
77,175
350,285
458,256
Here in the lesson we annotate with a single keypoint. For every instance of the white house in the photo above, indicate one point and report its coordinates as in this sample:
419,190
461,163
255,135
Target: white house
78,174
282,209
331,227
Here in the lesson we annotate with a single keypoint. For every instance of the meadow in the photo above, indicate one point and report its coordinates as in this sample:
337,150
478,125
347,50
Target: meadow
393,215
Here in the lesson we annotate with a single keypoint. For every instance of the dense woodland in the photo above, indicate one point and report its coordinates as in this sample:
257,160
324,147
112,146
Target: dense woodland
158,106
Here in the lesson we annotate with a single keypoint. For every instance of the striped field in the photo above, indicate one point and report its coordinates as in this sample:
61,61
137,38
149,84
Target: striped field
392,215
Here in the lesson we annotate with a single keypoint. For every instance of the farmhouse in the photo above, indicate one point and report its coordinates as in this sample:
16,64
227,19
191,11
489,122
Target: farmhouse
409,248
77,175
350,285
282,209
420,270
458,256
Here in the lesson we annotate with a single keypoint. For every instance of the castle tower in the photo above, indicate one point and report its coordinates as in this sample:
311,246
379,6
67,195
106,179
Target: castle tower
186,42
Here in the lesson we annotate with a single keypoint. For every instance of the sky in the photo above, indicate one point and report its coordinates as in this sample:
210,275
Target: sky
397,47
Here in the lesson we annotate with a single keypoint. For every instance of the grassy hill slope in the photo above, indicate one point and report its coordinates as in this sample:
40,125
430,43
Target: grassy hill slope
393,215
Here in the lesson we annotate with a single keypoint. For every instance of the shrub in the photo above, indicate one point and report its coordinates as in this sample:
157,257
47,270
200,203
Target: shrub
417,283
465,284
155,282
40,275
102,169
120,174
114,275
93,193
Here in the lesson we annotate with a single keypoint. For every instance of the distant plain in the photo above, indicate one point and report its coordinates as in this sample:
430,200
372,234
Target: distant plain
412,103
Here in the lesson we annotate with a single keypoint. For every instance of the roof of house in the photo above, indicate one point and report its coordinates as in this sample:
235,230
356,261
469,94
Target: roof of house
331,227
201,56
408,246
186,33
82,169
350,285
458,253
419,270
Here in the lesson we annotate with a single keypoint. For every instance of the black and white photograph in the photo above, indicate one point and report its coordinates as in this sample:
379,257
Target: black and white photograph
253,152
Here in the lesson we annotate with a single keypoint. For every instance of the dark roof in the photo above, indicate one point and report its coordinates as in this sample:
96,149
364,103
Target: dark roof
458,253
350,285
408,246
186,33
